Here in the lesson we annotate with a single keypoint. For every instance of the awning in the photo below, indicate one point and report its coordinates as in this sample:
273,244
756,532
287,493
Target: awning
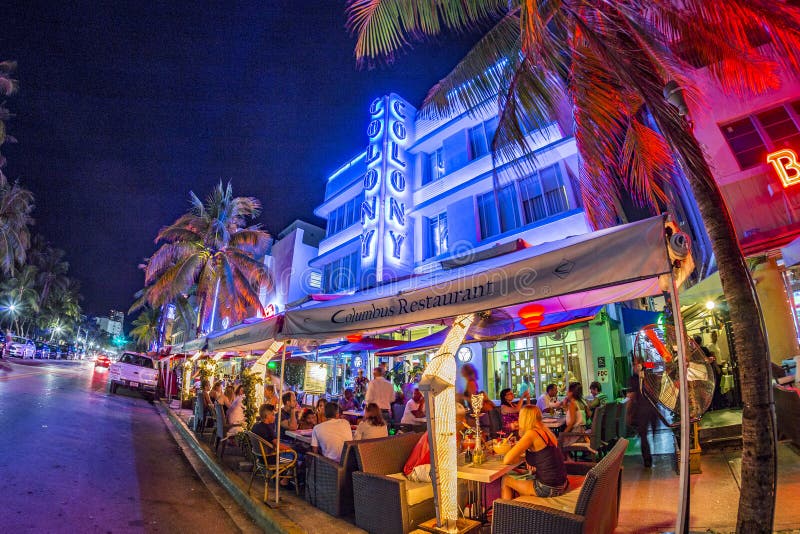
611,265
368,344
194,345
256,335
551,322
791,253
635,320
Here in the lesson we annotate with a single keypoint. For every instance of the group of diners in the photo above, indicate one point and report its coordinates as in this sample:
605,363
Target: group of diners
231,400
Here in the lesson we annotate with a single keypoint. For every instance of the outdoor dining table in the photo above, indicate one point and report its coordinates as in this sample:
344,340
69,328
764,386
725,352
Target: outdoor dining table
554,422
477,478
300,435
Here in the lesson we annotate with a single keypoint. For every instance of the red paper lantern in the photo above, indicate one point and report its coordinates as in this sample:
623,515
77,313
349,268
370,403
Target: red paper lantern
355,338
531,315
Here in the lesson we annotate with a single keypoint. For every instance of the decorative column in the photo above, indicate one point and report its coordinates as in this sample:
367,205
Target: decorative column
260,368
438,385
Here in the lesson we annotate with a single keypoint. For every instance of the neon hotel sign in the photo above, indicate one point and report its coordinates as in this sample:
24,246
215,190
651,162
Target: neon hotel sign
386,241
786,166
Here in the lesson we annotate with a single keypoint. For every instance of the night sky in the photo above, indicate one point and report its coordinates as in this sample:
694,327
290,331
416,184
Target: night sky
126,106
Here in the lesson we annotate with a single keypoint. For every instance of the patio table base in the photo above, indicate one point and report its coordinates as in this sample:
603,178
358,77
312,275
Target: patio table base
463,526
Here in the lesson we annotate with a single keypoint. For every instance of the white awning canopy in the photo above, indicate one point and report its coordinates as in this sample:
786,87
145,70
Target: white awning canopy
257,335
612,265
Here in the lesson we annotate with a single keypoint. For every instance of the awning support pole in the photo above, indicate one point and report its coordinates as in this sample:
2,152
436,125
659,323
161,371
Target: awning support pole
278,442
682,520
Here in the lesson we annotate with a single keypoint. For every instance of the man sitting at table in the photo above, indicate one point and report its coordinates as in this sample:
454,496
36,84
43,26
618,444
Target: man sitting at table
328,437
288,413
415,409
549,400
265,427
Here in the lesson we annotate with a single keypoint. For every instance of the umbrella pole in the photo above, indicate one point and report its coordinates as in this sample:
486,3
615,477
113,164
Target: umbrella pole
682,520
278,448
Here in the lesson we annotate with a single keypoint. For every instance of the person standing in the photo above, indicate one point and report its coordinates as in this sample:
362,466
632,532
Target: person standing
381,392
360,386
7,345
641,412
524,386
272,378
470,376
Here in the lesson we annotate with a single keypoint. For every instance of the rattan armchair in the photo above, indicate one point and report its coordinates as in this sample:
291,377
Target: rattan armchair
263,456
329,484
596,508
381,501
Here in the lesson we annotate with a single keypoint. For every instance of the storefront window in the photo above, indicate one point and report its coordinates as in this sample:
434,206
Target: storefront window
563,359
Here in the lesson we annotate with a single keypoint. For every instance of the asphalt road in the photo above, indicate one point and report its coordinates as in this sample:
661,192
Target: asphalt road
74,458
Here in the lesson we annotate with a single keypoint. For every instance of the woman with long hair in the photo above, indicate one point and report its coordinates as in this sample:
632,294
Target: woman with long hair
509,410
577,416
372,425
320,411
539,447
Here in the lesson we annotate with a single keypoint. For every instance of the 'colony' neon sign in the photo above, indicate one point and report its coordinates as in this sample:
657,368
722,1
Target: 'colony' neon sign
385,241
786,165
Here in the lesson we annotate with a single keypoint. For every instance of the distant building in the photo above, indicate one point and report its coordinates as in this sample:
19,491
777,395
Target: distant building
111,325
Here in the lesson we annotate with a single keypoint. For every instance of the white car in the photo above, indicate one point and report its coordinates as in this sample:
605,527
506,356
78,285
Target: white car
133,371
22,348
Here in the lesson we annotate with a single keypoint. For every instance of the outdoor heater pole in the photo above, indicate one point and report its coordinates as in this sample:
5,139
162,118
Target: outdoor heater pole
682,521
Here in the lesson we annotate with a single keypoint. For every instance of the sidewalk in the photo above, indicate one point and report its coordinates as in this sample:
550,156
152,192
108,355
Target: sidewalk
648,504
293,515
649,496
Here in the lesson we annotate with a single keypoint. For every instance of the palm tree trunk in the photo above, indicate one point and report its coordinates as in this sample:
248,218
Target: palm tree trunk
757,495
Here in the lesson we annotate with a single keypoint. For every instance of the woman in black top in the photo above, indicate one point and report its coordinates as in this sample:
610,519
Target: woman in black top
540,448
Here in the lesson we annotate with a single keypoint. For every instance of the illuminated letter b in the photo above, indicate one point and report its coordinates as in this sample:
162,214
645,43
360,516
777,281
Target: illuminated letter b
786,165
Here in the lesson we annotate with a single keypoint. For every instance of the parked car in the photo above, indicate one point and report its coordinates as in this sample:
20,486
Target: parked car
42,350
135,372
22,348
102,361
55,352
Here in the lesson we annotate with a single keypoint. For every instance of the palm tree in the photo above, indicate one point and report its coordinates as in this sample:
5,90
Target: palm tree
16,202
611,61
146,326
212,248
52,269
20,291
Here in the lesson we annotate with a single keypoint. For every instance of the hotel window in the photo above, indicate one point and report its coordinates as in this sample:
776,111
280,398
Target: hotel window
432,166
490,223
480,138
341,274
437,235
752,137
345,215
543,194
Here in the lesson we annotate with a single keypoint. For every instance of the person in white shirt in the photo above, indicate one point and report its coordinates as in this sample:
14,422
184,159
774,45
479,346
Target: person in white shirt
373,425
549,400
272,378
380,391
235,414
328,438
415,409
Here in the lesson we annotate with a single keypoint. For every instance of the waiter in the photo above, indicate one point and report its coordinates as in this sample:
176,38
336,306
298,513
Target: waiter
381,392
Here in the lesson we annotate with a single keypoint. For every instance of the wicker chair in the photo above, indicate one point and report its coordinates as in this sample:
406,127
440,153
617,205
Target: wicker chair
385,502
609,434
622,419
787,413
329,484
594,509
595,435
263,456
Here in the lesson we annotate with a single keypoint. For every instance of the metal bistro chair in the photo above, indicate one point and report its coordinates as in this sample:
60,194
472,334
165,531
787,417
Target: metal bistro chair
263,454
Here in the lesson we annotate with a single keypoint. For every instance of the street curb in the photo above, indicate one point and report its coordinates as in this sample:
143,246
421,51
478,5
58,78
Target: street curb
259,514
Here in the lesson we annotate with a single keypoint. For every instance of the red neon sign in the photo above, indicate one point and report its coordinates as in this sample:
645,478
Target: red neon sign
786,165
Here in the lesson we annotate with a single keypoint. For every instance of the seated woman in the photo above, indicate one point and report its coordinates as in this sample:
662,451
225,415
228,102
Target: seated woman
320,411
235,413
576,409
540,449
216,391
307,420
226,399
269,395
510,409
373,424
